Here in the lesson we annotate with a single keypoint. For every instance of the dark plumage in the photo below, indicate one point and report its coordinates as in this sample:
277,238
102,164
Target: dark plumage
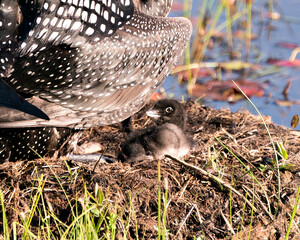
168,137
82,63
10,99
20,143
85,62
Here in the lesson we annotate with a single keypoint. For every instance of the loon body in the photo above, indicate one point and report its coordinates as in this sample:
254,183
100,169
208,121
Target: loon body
168,137
84,63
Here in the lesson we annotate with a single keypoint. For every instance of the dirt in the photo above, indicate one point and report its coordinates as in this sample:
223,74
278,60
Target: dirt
204,189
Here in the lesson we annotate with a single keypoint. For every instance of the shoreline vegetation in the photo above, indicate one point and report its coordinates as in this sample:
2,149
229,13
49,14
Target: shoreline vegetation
227,187
241,180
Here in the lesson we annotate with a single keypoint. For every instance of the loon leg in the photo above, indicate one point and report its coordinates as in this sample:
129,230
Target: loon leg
88,158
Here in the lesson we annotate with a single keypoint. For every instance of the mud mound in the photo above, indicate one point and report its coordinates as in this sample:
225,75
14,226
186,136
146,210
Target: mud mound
214,191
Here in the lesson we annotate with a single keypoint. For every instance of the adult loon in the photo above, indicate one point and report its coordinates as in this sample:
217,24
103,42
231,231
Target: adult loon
84,63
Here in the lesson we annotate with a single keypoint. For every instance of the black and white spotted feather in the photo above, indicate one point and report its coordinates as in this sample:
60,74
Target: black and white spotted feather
89,62
30,143
156,8
82,63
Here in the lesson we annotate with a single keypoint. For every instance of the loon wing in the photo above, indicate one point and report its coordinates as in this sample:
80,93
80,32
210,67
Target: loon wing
10,99
10,17
89,71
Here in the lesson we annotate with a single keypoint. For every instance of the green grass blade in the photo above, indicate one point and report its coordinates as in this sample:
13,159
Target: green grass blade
297,200
251,174
159,202
4,218
272,142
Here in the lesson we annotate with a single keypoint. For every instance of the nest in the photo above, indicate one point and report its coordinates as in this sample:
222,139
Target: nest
227,187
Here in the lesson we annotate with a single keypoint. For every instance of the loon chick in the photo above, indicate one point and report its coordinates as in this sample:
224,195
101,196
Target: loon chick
84,63
168,137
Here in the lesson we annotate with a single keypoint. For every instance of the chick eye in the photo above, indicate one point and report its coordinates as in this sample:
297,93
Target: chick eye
169,109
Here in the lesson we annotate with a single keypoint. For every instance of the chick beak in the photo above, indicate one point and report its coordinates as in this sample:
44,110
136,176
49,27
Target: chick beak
153,114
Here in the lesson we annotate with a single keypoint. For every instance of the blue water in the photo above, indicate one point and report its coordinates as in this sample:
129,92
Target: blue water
287,29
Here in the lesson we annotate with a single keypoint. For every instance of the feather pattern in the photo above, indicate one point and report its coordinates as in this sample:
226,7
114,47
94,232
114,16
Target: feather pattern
86,67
